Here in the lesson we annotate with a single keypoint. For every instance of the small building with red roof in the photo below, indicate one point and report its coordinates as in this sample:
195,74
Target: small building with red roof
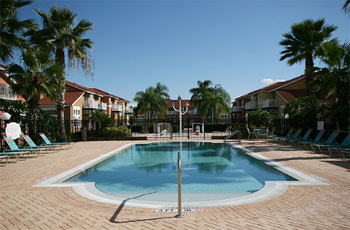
271,98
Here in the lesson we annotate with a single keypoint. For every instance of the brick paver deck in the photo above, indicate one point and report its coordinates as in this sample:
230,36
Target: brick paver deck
300,207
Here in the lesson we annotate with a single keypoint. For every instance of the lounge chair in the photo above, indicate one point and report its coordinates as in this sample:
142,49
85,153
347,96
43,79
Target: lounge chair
32,145
294,137
272,133
316,140
56,144
342,148
289,134
14,148
3,157
328,142
7,155
263,132
304,138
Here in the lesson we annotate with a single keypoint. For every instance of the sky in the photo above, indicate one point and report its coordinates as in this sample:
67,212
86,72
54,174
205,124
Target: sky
234,43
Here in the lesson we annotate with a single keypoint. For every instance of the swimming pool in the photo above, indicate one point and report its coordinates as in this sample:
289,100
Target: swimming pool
210,171
165,199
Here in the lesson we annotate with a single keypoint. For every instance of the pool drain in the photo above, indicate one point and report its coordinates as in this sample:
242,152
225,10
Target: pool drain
184,209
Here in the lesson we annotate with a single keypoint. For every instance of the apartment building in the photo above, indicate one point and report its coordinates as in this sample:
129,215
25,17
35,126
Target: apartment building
5,91
81,102
272,98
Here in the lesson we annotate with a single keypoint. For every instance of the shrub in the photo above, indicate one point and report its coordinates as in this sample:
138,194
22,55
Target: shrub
304,112
215,127
175,128
116,132
259,119
137,129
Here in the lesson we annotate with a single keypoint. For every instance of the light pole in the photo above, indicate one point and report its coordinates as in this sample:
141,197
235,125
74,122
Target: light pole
181,112
4,116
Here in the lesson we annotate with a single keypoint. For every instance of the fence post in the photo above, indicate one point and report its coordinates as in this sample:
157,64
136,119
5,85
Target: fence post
131,121
188,128
204,128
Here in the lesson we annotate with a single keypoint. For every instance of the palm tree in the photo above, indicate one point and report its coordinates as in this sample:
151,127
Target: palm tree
34,80
62,35
303,44
210,100
150,102
11,28
199,93
162,90
346,7
334,79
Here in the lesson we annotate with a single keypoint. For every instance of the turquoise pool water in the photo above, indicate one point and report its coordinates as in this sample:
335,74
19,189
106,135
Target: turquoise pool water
210,171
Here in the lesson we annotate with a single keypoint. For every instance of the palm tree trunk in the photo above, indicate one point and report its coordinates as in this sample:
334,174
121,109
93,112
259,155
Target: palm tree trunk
309,65
60,59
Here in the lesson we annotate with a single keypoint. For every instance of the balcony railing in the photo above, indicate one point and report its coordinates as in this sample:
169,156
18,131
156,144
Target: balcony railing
104,106
171,113
6,93
193,112
129,111
269,103
91,105
117,108
236,108
251,105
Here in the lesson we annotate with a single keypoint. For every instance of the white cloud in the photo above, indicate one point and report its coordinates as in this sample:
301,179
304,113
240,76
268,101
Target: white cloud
269,81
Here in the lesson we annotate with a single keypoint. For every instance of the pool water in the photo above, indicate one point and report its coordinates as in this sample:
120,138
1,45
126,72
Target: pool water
210,171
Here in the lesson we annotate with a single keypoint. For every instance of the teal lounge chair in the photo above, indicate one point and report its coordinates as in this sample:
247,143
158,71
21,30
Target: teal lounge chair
342,148
57,144
7,155
294,137
272,133
14,148
304,138
289,134
32,145
316,140
328,142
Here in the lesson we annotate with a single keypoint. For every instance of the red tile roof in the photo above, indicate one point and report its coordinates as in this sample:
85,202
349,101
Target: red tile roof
95,90
70,98
98,91
77,85
272,86
290,95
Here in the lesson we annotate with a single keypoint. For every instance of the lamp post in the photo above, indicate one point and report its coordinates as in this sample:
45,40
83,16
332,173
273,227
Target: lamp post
181,112
4,116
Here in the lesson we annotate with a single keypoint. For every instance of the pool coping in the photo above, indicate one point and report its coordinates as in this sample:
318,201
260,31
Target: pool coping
270,190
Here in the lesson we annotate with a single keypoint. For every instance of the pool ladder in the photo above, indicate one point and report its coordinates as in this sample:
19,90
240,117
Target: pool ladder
237,132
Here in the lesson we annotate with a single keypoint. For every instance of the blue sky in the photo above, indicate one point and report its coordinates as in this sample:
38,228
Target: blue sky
177,43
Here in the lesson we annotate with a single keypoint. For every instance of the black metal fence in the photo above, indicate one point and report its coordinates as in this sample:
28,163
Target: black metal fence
192,128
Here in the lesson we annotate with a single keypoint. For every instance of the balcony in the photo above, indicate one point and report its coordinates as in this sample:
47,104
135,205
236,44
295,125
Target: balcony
171,113
193,112
251,105
6,93
269,103
129,111
236,108
103,106
117,108
91,105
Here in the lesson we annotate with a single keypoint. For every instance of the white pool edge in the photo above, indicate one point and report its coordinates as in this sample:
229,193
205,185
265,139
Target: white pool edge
271,189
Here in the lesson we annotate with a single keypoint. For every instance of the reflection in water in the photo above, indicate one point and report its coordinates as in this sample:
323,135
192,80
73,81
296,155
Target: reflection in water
207,168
